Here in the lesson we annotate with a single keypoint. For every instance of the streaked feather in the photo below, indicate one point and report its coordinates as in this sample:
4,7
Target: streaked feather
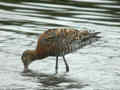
62,41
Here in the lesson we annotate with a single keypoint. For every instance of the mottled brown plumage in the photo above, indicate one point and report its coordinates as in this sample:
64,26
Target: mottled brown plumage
59,42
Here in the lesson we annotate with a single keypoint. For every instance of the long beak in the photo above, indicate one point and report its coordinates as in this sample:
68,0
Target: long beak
26,68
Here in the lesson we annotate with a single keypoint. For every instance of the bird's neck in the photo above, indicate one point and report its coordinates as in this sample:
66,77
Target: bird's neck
41,52
40,56
37,55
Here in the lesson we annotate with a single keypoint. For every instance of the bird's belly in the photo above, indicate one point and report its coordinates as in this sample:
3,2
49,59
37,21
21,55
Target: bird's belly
80,44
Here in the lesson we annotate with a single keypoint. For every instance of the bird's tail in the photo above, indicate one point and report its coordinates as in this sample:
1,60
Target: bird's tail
90,38
95,35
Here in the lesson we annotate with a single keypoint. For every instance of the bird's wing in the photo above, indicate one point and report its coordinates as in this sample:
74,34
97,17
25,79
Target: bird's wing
62,41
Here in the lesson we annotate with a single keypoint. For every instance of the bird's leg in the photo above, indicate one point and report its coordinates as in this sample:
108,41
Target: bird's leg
67,66
56,67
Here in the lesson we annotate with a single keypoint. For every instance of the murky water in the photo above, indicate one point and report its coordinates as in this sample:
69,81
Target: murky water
95,67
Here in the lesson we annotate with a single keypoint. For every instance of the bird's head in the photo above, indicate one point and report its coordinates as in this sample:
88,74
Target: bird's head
27,57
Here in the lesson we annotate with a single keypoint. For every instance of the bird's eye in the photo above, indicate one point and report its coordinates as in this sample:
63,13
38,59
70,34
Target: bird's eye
23,56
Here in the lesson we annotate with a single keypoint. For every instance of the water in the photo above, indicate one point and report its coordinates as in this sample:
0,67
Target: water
96,67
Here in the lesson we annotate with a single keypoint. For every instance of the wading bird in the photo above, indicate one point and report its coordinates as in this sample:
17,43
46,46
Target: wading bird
58,42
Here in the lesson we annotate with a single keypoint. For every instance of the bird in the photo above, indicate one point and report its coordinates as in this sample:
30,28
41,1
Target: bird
58,42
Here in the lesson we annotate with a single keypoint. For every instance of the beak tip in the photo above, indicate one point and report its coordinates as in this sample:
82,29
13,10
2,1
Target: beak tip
25,69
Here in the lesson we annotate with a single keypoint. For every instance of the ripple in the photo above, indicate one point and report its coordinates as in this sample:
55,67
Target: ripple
93,67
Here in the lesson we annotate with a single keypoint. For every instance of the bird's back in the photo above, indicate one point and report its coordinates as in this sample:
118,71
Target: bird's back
61,41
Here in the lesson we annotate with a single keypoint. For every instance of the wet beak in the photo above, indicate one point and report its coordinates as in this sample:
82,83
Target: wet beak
26,68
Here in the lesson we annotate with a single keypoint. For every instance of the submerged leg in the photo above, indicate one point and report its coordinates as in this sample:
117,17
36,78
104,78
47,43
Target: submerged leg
56,67
67,66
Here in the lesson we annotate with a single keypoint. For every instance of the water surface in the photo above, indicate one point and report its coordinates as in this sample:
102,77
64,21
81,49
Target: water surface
95,67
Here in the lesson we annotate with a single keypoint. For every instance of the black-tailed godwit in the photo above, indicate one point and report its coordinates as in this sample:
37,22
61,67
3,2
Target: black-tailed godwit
58,42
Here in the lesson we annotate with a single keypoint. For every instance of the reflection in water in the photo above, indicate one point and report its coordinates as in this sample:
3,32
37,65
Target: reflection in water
96,68
58,13
49,81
